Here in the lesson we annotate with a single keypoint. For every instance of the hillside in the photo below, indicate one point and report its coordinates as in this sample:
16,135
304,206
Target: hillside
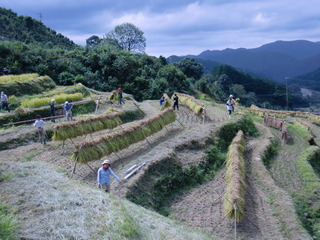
56,203
274,61
28,30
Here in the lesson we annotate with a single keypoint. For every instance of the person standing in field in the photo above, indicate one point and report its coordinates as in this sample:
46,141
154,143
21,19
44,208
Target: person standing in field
4,101
103,177
162,101
121,101
52,110
230,105
175,102
5,71
67,108
39,124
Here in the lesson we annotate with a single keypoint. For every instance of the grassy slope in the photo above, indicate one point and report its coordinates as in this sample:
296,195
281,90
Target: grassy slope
48,197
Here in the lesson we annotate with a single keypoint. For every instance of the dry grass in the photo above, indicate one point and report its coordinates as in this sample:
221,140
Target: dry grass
234,203
281,114
50,206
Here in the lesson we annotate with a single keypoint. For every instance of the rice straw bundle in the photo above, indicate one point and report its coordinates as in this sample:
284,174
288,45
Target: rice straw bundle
113,142
74,129
194,104
234,202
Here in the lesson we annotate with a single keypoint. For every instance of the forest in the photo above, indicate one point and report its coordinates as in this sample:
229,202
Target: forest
118,60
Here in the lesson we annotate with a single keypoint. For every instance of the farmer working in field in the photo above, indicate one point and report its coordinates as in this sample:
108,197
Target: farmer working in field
175,102
103,178
67,108
4,101
121,101
230,105
39,124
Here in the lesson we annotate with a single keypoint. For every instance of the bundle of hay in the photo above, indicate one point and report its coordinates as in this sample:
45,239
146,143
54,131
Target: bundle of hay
234,202
194,104
74,129
114,142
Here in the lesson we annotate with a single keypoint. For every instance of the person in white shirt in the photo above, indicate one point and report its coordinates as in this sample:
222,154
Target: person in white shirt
4,101
230,105
39,124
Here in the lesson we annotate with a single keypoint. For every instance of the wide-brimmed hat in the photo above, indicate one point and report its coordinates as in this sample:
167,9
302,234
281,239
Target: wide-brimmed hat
106,162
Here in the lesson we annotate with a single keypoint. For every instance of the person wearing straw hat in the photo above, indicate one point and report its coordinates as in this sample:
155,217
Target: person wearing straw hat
104,173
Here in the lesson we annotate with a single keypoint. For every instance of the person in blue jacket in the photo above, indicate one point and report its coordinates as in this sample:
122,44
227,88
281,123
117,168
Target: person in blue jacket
104,173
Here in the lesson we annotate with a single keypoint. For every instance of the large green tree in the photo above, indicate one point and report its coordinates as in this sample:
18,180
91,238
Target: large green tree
190,67
127,37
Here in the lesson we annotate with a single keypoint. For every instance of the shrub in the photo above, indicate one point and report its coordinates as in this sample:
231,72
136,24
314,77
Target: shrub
8,223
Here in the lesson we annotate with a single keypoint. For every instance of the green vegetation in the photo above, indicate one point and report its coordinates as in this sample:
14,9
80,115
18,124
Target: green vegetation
29,30
271,151
8,223
174,178
126,227
225,79
307,200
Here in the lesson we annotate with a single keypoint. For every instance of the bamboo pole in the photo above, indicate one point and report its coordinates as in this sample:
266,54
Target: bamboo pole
31,120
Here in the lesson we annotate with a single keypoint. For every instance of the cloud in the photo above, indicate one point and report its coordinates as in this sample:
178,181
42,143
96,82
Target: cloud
182,26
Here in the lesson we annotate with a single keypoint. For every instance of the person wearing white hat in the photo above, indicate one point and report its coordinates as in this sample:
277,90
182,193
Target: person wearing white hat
104,173
230,105
67,108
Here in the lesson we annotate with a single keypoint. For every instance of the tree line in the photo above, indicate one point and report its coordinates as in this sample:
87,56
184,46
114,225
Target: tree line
119,60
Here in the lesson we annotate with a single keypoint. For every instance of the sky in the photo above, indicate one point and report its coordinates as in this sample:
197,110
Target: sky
180,27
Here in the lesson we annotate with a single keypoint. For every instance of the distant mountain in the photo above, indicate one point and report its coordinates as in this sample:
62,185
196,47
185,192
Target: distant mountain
274,61
29,30
310,80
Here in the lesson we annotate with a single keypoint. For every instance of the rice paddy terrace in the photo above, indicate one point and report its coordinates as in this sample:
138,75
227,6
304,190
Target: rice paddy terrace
177,184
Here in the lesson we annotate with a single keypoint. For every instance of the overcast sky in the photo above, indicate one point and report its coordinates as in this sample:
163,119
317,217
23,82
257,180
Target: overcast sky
180,27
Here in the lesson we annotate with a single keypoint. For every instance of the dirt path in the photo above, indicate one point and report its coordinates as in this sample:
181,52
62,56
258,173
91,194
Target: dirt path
202,207
284,170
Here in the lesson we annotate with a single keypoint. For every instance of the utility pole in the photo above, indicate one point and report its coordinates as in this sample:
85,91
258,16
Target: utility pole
40,16
287,99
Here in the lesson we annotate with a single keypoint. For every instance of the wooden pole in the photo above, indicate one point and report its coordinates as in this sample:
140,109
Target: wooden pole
31,120
148,142
90,167
180,123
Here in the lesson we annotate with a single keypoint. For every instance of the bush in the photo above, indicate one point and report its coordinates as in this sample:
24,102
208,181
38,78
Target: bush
7,223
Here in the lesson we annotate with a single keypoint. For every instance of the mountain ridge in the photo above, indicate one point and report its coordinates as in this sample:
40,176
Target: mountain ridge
275,60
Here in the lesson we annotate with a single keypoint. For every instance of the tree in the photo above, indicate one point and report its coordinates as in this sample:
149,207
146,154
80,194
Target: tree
191,68
127,37
93,41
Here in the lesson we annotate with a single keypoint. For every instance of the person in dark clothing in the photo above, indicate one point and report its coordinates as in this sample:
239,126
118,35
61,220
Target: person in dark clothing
121,101
175,102
162,101
5,71
52,110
